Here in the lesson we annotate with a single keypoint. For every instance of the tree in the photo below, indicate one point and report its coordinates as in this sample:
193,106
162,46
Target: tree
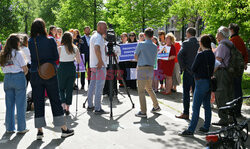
26,11
47,11
78,13
129,15
224,12
8,20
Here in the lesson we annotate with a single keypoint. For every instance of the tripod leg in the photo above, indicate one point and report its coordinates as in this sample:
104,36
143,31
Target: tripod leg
77,88
85,103
124,83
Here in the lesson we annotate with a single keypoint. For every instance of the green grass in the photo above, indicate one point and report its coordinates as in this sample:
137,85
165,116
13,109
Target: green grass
1,75
246,87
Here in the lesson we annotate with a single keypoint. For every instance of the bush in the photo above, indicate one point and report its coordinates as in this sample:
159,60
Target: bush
1,75
245,87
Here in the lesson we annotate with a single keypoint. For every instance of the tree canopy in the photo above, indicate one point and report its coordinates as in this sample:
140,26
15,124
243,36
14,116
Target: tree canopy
125,15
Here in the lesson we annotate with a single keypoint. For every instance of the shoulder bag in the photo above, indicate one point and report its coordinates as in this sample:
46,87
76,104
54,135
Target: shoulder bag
47,70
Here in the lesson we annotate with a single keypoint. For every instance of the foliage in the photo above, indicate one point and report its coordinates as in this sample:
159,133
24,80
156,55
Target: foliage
78,13
129,15
46,11
1,75
245,87
185,11
8,20
223,12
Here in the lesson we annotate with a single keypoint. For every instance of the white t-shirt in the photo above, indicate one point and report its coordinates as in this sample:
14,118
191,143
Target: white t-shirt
15,64
97,39
65,57
26,54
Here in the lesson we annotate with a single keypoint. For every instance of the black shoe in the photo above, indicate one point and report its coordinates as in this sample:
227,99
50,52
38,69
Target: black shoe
82,88
67,113
155,110
140,114
39,135
101,112
172,90
203,130
186,133
75,88
67,133
90,109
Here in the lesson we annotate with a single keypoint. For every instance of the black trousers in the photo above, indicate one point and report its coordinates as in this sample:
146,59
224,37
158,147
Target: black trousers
111,75
238,93
38,92
83,73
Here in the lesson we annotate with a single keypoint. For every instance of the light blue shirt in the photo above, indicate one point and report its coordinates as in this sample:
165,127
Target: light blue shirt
146,52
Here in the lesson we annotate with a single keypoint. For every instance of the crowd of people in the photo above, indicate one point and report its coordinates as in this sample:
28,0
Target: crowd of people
198,60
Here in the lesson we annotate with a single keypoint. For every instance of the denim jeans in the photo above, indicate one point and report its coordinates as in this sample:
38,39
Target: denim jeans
188,81
97,81
15,95
38,92
202,95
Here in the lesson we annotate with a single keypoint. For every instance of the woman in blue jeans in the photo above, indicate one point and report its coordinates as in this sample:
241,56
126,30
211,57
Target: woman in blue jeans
14,68
202,68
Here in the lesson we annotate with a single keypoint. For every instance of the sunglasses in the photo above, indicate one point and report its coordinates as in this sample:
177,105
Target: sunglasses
132,35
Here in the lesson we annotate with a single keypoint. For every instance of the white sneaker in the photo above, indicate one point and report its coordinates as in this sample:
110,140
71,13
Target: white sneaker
23,132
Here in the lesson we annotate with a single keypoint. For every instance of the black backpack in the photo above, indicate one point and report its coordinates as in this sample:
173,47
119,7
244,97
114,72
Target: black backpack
236,62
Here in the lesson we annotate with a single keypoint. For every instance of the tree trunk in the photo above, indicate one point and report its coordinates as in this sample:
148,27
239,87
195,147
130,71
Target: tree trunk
143,15
95,14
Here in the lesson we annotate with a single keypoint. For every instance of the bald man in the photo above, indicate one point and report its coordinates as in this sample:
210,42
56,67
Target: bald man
98,64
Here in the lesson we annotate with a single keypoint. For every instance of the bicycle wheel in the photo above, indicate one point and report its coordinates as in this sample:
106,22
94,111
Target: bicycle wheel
239,145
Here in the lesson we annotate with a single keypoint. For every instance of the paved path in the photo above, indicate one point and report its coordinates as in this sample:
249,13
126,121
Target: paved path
123,131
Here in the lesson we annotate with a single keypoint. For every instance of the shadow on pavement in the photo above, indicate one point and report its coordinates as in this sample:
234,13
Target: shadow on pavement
54,143
35,144
151,126
70,122
101,124
6,142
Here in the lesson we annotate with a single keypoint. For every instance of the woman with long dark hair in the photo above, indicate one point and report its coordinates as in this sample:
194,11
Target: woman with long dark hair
203,68
52,31
67,70
46,49
14,67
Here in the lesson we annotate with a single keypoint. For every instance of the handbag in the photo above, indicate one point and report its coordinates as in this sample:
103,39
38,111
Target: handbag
46,70
213,80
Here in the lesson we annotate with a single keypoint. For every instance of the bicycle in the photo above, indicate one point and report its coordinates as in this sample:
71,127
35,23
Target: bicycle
232,136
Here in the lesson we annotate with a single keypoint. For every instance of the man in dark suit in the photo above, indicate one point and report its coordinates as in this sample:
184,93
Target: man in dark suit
84,49
186,58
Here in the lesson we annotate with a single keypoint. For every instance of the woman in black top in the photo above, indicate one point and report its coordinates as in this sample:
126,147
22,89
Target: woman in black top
131,64
202,68
47,52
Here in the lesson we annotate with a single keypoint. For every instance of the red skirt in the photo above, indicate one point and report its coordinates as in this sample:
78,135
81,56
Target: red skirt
166,67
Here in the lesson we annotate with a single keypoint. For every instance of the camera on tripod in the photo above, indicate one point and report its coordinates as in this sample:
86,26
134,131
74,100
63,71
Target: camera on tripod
111,38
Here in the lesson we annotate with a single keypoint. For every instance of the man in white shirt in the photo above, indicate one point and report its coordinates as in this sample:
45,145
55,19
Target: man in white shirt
98,64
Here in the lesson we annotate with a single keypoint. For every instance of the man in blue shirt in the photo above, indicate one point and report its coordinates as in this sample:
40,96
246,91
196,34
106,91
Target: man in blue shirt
145,55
